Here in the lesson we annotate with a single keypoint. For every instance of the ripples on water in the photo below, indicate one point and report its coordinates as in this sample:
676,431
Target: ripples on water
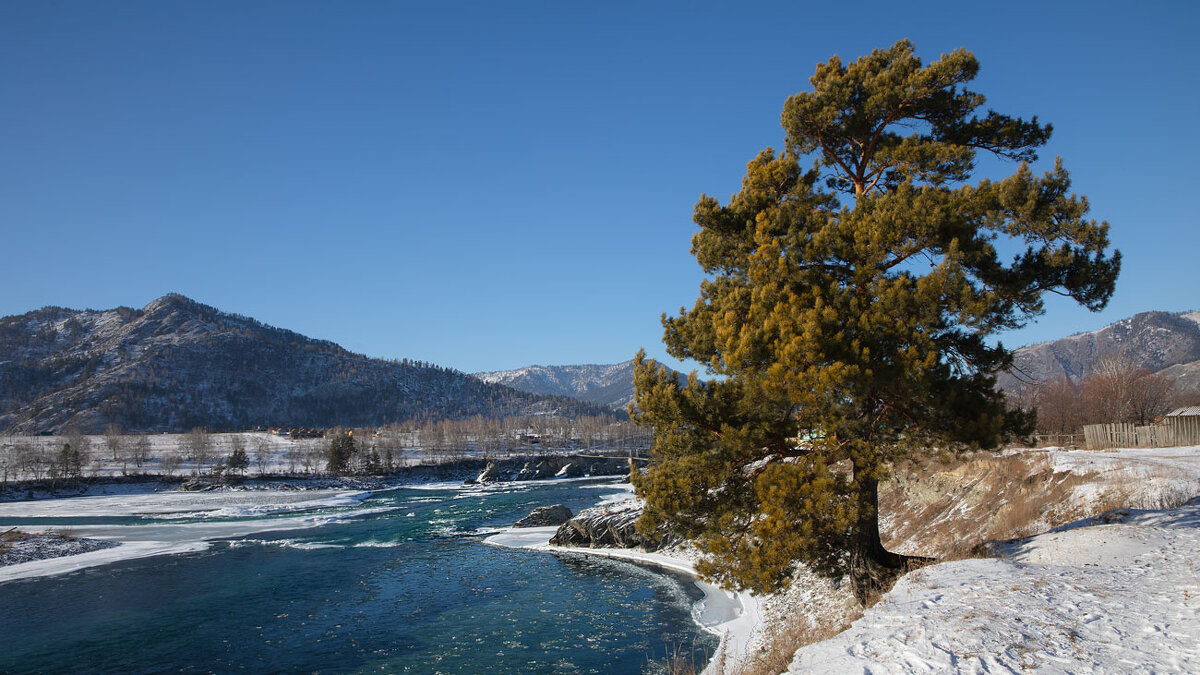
398,581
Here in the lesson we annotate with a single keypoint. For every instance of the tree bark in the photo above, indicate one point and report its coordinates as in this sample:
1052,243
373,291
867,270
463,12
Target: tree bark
873,569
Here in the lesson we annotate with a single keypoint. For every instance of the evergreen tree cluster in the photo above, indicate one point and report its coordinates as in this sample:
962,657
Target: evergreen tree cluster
342,450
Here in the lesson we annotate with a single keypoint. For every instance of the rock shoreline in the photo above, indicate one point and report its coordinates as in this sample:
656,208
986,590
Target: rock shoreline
503,469
610,526
21,547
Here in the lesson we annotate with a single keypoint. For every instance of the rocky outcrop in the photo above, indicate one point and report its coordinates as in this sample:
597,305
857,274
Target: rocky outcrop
197,485
551,466
490,474
608,527
537,470
19,547
545,516
571,470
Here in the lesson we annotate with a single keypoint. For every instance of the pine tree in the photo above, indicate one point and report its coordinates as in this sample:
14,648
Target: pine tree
341,450
846,317
238,460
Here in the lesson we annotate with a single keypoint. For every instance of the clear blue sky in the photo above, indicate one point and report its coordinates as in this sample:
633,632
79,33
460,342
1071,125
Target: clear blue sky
492,185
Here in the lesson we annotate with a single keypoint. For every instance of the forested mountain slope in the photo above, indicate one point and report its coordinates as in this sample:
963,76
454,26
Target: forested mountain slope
177,364
1156,341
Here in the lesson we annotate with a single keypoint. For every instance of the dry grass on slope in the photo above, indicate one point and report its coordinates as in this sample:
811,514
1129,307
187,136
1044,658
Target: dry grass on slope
948,511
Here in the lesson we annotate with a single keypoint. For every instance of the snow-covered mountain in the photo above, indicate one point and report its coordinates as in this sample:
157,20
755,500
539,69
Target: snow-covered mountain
1158,341
607,385
177,364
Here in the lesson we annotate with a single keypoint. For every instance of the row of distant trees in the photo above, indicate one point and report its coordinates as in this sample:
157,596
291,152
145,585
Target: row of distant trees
368,452
519,434
75,455
66,461
1116,391
342,450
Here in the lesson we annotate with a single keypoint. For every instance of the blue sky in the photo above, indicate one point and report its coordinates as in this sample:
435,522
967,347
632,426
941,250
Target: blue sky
492,185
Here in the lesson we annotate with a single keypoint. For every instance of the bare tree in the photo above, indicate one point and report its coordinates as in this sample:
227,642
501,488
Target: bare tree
1149,396
311,457
1058,406
1120,391
1186,398
293,456
78,455
236,442
113,440
198,445
141,449
27,460
262,454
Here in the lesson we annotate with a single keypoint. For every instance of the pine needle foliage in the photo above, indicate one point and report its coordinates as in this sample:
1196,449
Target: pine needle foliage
847,314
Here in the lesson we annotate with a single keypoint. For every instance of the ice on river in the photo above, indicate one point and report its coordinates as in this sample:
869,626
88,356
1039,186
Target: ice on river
172,522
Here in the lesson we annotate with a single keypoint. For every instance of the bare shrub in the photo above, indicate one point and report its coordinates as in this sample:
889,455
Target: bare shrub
680,660
170,462
67,533
781,648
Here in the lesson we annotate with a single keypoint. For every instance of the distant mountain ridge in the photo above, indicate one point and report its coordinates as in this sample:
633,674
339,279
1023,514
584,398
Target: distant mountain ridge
609,385
1166,342
176,364
1157,341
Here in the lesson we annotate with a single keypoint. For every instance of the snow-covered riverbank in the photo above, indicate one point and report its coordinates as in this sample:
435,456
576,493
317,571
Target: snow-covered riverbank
18,547
1095,596
734,617
1118,593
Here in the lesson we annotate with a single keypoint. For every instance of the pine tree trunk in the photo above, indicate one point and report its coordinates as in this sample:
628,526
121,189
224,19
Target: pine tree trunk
873,568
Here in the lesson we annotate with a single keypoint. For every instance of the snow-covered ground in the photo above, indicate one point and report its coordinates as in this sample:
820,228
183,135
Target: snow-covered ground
1112,594
1119,594
1182,461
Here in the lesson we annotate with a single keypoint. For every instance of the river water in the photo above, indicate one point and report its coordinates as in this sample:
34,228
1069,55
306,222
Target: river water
337,581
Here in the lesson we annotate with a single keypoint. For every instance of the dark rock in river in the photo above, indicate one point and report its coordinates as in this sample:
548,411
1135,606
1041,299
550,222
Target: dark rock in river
608,467
491,474
572,470
609,527
542,469
544,516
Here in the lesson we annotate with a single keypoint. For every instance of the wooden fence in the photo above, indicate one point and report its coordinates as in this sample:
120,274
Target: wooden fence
1171,432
